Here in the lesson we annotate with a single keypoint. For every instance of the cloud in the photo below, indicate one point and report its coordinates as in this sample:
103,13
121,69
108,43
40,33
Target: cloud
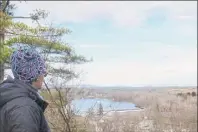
92,46
119,12
178,68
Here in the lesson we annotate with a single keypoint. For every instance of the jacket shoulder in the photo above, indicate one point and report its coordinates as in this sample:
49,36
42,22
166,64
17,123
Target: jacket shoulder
21,102
24,119
21,114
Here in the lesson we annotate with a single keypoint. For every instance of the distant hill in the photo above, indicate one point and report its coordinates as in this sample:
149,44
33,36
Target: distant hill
134,88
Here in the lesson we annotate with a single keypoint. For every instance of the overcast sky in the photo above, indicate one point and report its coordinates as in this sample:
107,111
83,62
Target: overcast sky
132,43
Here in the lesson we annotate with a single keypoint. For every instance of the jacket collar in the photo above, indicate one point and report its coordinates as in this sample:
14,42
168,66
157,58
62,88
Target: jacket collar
34,95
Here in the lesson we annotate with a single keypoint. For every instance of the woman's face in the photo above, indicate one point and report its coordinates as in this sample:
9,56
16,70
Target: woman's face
39,82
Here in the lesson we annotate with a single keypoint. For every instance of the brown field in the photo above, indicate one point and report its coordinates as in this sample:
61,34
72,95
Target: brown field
165,110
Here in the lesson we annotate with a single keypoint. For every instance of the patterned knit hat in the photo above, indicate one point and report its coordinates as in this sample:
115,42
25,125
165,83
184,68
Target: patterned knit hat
27,65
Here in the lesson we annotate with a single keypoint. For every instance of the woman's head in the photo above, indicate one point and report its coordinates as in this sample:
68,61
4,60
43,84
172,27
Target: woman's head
28,66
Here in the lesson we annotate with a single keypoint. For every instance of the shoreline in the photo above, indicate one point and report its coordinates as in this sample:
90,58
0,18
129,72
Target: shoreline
109,113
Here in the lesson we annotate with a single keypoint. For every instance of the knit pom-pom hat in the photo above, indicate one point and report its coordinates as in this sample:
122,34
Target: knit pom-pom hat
27,64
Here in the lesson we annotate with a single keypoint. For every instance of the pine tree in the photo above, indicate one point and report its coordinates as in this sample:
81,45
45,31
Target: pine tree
100,110
45,38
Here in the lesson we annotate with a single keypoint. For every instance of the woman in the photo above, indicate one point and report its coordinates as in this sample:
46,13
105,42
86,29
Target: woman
21,107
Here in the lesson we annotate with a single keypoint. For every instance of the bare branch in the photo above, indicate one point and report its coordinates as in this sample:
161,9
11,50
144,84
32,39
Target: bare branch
6,5
20,17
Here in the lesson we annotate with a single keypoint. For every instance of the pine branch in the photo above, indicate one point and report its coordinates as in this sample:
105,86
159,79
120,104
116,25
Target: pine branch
14,33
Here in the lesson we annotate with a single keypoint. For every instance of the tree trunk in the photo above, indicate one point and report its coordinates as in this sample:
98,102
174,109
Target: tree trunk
1,72
2,36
